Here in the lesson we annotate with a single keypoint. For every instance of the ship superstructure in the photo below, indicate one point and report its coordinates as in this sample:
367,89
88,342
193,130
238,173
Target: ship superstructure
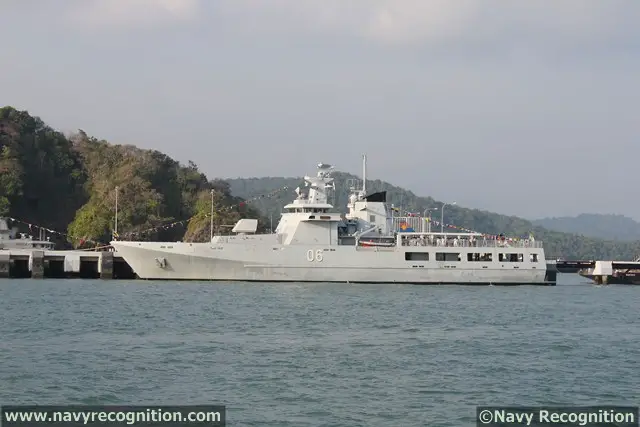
10,238
314,243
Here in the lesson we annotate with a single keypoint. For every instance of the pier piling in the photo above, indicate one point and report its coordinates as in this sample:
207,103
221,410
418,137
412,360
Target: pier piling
36,261
5,265
106,265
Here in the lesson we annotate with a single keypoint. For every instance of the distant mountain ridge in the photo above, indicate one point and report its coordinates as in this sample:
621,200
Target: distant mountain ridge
600,226
557,244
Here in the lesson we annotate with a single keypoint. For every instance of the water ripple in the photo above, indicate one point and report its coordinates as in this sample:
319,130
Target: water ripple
323,354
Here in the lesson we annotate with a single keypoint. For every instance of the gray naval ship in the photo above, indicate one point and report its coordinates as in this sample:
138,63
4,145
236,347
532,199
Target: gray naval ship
11,239
313,243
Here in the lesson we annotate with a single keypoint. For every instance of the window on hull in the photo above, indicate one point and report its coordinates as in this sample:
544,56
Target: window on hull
416,256
479,257
448,256
510,257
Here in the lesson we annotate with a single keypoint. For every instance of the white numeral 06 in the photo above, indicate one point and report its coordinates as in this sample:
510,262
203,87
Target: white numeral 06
314,256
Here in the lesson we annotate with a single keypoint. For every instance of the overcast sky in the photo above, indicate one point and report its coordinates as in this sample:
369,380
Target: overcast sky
520,107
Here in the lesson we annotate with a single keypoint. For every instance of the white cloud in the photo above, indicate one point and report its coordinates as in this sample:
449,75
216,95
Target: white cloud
408,21
382,21
133,13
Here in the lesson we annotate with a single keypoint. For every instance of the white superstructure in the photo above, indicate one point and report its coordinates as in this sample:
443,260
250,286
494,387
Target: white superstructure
314,244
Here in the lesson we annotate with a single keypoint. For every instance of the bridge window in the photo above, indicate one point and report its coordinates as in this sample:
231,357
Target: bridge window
448,256
372,218
416,256
533,257
510,257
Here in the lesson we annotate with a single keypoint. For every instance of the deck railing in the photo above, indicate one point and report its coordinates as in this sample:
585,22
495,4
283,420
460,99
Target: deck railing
476,243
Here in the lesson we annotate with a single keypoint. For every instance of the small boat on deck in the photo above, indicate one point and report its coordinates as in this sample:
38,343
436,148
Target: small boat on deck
371,243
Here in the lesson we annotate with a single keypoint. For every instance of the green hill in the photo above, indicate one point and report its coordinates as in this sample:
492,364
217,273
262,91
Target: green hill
613,227
68,185
557,244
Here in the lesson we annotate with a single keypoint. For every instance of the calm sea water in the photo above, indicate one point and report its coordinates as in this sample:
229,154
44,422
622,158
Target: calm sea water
319,355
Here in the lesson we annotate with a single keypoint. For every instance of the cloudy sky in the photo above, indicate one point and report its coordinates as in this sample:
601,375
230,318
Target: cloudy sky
521,107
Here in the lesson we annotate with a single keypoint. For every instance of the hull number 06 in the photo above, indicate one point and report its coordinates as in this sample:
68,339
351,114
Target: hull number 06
314,255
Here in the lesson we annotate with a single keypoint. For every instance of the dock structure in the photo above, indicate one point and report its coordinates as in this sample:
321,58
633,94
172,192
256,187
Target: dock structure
612,272
603,272
551,276
5,263
565,266
40,264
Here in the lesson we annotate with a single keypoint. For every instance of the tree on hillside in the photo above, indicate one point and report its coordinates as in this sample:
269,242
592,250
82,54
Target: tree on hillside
40,175
227,210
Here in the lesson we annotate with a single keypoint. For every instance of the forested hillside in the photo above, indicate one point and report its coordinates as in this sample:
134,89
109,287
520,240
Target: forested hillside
613,227
69,185
557,244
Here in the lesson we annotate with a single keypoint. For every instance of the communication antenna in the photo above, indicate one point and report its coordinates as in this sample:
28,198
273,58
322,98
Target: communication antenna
364,175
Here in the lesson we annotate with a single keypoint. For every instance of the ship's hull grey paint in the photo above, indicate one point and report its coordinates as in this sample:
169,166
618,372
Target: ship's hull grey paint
301,263
309,245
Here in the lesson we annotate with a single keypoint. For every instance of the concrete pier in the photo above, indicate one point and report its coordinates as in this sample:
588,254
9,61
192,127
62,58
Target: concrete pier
106,265
5,265
39,264
36,264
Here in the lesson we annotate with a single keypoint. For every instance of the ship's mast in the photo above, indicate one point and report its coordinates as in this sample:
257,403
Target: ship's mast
211,219
364,175
115,228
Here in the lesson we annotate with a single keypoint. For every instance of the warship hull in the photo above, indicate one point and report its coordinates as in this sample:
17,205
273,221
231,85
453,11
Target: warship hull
302,263
367,244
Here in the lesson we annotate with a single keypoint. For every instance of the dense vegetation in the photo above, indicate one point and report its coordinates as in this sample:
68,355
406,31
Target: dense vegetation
613,227
557,244
69,184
